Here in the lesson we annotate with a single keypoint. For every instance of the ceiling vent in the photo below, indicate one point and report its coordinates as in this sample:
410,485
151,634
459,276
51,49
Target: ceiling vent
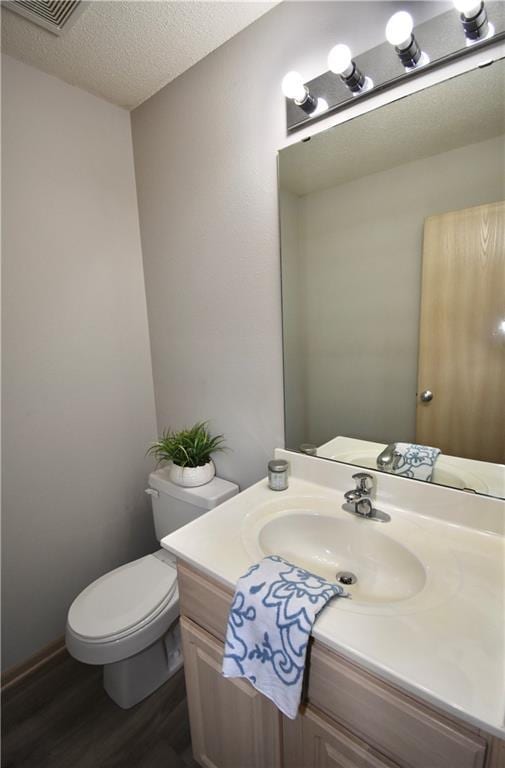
54,15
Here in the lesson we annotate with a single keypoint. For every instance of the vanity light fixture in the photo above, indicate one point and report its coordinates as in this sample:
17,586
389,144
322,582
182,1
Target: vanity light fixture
442,39
474,19
340,62
294,88
399,33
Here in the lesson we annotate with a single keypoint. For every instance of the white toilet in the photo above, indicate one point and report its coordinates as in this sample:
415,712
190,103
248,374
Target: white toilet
127,620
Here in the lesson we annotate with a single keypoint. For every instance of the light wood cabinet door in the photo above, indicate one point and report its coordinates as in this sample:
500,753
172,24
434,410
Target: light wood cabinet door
495,753
312,741
232,725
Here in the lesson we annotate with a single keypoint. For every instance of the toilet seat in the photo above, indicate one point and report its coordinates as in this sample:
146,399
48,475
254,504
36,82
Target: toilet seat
124,611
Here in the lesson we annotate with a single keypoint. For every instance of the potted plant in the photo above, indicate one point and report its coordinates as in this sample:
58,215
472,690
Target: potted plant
190,452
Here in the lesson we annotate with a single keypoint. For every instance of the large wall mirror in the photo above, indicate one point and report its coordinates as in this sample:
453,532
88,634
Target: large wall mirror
393,285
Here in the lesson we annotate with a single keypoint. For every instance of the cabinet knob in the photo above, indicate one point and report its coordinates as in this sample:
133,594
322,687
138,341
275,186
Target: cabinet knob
426,396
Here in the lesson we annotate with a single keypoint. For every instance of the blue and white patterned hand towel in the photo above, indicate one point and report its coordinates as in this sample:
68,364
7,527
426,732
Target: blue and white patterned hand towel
271,617
417,461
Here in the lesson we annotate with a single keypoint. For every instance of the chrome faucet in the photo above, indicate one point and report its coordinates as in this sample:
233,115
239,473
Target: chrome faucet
361,495
388,459
359,500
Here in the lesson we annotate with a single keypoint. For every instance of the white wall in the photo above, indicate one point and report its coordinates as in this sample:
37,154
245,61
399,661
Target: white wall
78,399
205,158
294,320
361,250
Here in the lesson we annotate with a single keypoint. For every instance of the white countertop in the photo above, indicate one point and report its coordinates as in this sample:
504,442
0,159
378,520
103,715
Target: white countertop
449,652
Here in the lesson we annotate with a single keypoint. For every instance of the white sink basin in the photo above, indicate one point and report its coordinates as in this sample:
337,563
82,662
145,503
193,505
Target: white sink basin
397,567
443,474
386,570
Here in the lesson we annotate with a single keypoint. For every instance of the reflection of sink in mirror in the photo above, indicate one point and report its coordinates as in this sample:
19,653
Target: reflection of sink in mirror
399,568
478,476
441,474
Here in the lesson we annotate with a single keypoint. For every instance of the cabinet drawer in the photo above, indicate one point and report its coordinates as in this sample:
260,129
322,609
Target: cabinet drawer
204,601
392,722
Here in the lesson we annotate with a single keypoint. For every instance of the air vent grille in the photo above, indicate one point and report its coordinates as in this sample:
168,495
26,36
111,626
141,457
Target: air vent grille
53,15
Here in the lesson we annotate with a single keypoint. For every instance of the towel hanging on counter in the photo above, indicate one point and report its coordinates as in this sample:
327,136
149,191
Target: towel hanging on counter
269,625
417,461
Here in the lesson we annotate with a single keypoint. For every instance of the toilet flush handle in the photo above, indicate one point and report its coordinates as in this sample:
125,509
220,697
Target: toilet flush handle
152,492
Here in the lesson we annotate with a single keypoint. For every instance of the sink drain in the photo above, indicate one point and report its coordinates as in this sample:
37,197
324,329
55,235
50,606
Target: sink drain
346,577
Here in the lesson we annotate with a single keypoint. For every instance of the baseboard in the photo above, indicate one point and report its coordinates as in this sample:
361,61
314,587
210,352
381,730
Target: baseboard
15,674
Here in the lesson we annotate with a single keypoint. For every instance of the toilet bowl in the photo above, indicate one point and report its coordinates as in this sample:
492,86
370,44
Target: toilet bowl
127,620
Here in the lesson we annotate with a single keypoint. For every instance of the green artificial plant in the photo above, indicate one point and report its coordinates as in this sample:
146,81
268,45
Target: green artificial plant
191,447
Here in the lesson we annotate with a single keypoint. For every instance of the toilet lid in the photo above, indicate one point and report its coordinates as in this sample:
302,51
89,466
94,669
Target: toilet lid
123,598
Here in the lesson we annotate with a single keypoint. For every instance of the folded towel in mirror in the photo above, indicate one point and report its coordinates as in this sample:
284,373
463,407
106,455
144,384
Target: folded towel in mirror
269,625
417,461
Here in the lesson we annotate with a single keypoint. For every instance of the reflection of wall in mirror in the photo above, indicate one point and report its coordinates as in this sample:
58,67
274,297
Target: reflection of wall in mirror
293,318
360,257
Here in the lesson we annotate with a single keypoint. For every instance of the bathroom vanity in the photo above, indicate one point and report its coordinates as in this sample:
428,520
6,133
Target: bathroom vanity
350,718
410,674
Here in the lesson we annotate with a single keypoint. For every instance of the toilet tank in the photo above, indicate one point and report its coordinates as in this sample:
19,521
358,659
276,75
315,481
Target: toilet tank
174,506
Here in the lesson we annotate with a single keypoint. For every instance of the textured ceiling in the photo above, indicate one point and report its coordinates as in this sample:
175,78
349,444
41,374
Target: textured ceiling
461,111
126,51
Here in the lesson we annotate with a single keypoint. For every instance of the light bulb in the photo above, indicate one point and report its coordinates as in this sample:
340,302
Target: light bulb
474,19
340,60
293,87
399,29
469,8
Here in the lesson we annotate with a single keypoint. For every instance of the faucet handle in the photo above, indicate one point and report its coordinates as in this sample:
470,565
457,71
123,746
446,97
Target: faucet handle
364,482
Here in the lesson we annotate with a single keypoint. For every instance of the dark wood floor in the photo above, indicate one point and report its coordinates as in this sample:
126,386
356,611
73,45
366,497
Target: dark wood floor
62,718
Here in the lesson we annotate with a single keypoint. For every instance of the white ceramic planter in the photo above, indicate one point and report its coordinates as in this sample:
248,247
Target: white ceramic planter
190,477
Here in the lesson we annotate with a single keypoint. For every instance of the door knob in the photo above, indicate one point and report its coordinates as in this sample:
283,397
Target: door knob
426,396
